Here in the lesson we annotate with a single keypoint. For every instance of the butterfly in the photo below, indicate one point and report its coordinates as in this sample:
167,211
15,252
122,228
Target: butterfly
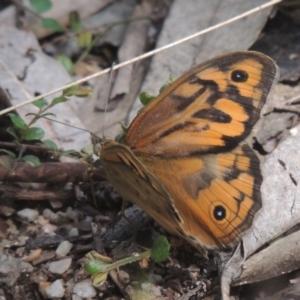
185,160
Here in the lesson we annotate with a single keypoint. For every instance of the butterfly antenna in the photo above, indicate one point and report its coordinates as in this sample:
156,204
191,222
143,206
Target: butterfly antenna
107,96
82,129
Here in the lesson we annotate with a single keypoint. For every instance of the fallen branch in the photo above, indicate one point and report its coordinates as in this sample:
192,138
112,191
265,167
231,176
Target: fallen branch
51,173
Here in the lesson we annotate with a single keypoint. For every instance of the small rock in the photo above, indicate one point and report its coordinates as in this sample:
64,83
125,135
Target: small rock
123,277
46,256
76,297
49,228
58,218
155,278
28,214
33,255
74,232
6,211
42,286
63,248
22,239
41,221
60,266
88,219
55,290
84,289
56,204
72,214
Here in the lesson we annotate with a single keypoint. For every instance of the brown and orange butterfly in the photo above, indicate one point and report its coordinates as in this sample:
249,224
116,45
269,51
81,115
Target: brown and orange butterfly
185,160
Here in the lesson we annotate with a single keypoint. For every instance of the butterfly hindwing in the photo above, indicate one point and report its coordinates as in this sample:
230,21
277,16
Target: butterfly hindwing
138,185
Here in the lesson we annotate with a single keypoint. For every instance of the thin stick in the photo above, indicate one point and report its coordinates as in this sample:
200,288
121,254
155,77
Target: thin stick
107,96
150,53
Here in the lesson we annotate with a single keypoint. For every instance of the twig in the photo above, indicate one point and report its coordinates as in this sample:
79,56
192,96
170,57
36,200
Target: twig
51,173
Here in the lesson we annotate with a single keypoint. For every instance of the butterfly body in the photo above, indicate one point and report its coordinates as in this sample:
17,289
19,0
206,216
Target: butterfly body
185,160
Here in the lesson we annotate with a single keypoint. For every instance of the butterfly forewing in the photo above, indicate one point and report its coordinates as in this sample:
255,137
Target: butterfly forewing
210,109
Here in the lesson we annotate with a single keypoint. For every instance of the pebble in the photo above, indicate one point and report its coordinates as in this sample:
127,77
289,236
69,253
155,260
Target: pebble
74,232
56,204
33,255
88,219
49,228
63,248
6,211
28,214
60,266
55,290
123,277
72,214
58,218
84,289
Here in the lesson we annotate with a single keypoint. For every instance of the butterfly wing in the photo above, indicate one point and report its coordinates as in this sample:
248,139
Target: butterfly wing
216,196
191,139
210,109
136,184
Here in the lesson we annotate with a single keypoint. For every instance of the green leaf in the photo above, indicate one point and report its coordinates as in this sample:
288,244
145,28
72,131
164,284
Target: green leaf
66,62
52,25
74,21
88,149
32,159
12,132
160,249
6,162
41,5
97,262
58,100
84,39
34,133
99,279
70,90
19,122
10,153
67,152
40,103
46,115
124,127
50,144
145,98
165,86
82,92
94,267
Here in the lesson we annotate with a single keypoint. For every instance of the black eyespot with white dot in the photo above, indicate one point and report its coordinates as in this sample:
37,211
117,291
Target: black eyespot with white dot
219,213
239,76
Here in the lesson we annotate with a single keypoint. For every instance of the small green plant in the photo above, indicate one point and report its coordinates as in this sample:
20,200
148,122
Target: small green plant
99,266
84,36
41,6
29,133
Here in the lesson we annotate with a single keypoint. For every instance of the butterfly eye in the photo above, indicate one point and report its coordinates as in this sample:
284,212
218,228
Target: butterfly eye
219,213
239,76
